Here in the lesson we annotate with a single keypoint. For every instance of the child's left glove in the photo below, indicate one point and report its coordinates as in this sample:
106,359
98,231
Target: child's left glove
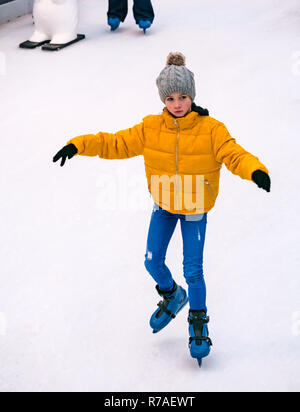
68,151
262,179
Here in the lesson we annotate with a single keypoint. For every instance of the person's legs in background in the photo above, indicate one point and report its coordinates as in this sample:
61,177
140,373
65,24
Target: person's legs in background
117,12
143,13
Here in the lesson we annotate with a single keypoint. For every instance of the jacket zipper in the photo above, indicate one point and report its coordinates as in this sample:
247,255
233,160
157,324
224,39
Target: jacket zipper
177,144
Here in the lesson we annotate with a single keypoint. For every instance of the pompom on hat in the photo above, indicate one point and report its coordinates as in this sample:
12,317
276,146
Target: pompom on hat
176,78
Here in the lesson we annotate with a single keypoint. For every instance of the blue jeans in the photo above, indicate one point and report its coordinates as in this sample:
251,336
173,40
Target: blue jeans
193,229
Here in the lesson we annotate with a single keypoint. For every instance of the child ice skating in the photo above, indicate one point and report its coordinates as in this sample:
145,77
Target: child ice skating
142,11
184,149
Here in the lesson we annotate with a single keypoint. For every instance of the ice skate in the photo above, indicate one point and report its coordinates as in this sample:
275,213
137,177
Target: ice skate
169,307
144,25
114,23
199,342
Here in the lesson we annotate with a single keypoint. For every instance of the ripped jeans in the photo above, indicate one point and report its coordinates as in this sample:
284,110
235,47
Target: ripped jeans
193,229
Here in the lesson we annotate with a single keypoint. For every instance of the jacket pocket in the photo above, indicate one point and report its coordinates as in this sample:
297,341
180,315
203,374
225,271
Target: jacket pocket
149,186
210,190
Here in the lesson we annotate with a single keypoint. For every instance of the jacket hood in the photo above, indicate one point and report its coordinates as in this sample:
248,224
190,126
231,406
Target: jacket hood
200,110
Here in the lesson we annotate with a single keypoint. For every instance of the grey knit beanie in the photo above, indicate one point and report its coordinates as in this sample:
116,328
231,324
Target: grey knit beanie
176,78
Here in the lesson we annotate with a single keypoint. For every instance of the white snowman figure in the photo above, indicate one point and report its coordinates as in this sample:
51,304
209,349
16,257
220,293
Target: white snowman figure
55,24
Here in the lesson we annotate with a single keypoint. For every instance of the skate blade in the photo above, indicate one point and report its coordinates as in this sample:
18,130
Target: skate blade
57,47
199,362
32,45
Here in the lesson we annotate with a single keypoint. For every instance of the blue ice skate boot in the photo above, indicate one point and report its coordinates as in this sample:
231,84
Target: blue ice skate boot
169,307
199,342
144,25
114,23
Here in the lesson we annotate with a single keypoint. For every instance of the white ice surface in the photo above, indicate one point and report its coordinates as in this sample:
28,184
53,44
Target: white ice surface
75,298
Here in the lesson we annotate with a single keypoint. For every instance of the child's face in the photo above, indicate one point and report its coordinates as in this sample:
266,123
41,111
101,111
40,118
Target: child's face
178,104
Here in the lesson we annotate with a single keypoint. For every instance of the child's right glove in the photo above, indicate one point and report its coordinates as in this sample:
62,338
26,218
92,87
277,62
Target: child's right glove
262,179
68,151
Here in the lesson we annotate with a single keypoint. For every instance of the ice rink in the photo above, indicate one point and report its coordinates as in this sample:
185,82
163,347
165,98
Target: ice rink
75,297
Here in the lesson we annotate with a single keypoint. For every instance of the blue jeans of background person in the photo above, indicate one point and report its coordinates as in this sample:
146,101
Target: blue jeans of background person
193,229
142,10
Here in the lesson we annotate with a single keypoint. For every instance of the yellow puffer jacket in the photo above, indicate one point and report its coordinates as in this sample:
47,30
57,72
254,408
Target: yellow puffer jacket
183,158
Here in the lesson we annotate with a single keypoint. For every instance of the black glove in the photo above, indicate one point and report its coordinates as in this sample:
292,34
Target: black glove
199,110
262,179
66,152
